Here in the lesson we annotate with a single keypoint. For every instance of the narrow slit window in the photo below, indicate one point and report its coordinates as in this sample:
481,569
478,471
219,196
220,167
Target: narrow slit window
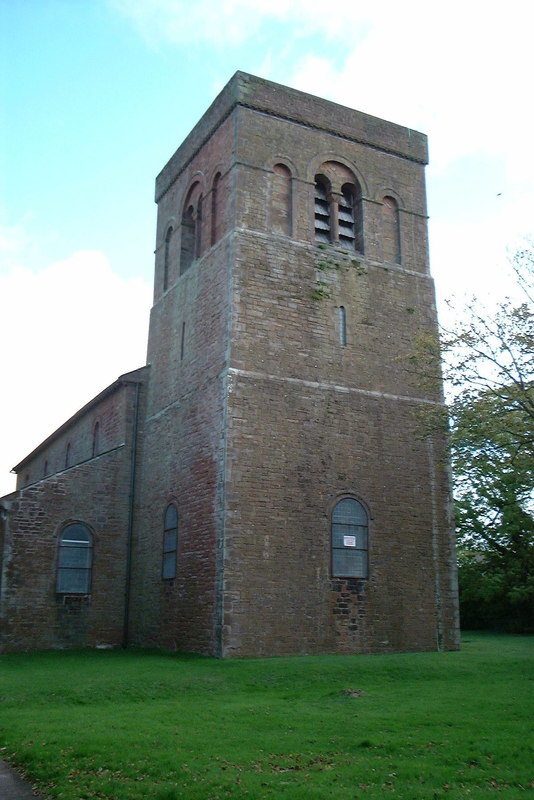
170,542
342,326
182,342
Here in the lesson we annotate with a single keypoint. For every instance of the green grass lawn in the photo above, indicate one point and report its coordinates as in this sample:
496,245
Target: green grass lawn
143,724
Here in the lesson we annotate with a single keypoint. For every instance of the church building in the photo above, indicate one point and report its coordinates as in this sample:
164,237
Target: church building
261,486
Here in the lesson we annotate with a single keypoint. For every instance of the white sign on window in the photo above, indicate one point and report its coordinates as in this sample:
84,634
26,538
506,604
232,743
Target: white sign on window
349,541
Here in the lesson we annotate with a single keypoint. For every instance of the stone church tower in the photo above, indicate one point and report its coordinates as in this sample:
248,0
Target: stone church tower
280,498
291,277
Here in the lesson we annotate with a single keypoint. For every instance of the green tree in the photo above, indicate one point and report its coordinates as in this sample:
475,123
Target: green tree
493,475
487,360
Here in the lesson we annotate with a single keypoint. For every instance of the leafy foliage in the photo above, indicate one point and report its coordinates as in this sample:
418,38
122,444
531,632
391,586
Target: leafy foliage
488,366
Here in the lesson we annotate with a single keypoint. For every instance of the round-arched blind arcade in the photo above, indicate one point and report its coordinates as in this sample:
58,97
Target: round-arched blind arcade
350,539
390,230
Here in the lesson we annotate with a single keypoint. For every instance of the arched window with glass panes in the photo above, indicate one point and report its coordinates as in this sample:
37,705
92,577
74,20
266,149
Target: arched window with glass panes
75,560
350,539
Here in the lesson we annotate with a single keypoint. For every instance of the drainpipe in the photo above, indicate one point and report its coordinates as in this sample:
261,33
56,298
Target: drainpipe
131,504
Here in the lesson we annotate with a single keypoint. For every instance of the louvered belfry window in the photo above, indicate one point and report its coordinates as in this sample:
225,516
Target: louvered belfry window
322,211
347,231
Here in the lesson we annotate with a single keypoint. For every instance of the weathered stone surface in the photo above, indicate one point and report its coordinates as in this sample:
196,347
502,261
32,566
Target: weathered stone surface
259,413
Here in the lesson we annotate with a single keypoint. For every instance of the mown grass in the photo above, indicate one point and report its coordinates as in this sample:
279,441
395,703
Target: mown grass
138,724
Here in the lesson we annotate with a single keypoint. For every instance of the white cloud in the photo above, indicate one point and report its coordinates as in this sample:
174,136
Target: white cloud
462,76
460,71
68,331
230,22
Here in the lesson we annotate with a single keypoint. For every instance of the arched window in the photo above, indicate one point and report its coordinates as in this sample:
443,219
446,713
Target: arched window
170,542
350,535
187,249
96,439
350,221
215,222
191,228
281,200
322,209
342,326
390,230
67,456
166,259
338,206
75,557
198,229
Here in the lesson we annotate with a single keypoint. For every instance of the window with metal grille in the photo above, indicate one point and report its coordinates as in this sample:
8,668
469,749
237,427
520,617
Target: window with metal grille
75,557
350,535
170,542
322,210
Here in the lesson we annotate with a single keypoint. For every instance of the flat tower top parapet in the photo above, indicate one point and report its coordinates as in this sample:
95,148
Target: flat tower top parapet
301,108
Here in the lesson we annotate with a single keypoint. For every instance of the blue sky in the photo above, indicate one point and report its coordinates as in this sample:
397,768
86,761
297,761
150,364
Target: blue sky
96,95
